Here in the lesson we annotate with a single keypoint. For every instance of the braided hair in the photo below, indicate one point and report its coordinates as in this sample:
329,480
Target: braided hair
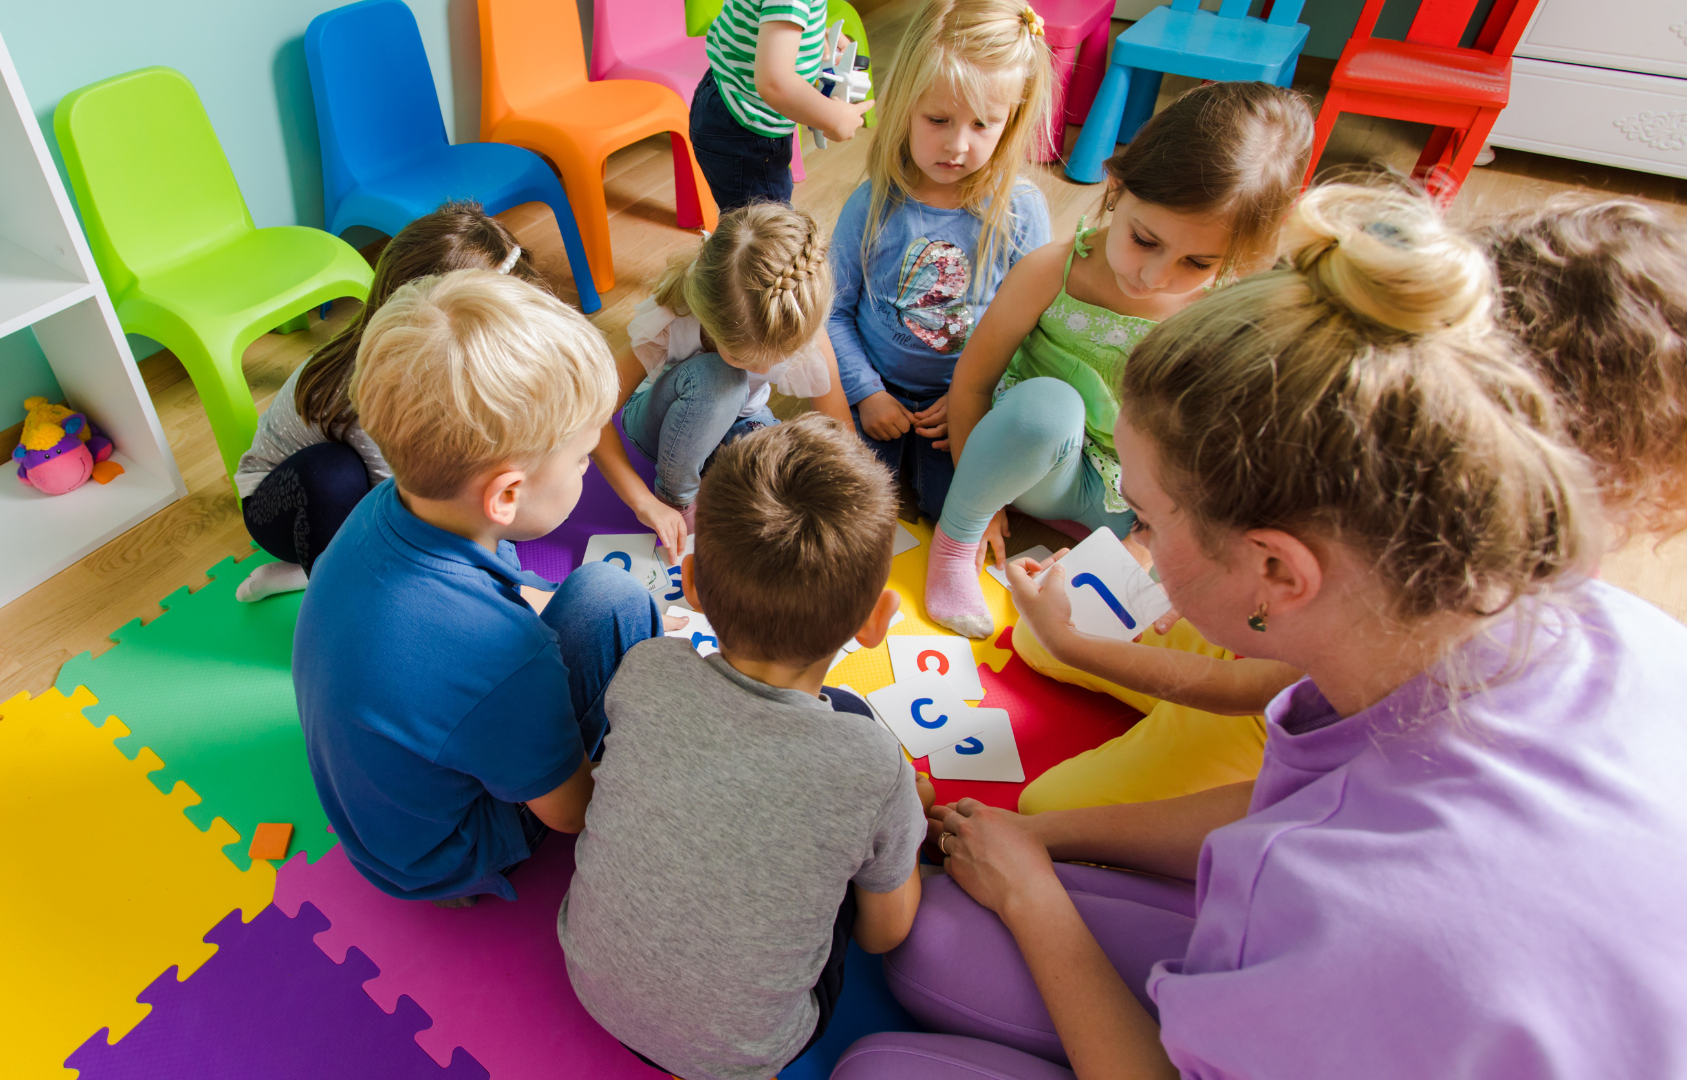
760,284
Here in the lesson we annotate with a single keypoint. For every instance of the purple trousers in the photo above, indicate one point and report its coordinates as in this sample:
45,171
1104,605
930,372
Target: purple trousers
960,973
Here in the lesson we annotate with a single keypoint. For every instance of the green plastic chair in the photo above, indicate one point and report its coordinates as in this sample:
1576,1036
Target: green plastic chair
176,245
700,13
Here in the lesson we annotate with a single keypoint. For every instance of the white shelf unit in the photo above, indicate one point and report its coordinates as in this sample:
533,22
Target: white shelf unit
48,282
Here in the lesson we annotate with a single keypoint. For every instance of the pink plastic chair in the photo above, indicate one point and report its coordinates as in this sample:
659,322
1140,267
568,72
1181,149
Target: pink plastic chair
645,39
1077,32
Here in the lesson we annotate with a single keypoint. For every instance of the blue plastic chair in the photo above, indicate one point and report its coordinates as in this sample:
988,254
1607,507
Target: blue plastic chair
385,157
1180,39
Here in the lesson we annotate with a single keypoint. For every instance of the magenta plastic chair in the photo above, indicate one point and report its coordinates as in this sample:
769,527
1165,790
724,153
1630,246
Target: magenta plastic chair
645,39
1077,32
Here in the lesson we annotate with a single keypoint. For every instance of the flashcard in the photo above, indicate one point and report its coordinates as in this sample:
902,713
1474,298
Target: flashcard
905,540
633,552
1112,595
992,754
664,584
1000,573
697,631
948,656
851,645
925,713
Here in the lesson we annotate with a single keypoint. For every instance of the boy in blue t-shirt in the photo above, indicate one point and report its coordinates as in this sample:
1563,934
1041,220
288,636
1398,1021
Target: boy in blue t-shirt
447,724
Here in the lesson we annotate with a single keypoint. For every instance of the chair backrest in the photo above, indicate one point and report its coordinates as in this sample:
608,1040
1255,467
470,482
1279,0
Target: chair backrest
151,180
376,106
699,14
622,29
1443,23
529,50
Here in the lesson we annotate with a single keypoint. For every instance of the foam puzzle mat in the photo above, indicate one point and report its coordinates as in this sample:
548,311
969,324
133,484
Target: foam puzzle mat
145,942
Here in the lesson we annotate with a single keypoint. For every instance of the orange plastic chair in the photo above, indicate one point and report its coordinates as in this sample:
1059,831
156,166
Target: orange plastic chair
535,94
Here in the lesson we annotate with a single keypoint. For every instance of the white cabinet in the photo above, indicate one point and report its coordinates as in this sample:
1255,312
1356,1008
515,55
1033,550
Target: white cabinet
48,282
1604,82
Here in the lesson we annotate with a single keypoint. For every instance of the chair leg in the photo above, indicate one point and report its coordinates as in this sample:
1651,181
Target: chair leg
578,264
1096,140
1139,106
1437,151
582,182
798,173
220,382
694,203
1052,138
1327,116
1087,73
1471,142
301,321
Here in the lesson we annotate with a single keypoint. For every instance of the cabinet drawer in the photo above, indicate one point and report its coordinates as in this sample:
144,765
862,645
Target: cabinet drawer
1629,35
1635,121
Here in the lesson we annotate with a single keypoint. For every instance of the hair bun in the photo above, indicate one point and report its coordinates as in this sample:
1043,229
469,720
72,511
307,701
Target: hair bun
1384,254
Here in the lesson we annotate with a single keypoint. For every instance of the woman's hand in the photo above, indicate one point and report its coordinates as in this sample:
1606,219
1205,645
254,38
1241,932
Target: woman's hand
993,853
883,417
995,539
667,523
932,422
1046,604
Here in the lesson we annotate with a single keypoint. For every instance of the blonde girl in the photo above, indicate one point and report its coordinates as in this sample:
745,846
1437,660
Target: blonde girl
746,313
1462,855
922,246
1196,197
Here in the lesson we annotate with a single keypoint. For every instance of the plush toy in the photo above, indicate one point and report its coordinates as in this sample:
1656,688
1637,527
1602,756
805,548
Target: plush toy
58,449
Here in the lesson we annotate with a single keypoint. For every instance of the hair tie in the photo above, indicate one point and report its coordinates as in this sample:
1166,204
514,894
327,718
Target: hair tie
510,260
1387,233
1033,21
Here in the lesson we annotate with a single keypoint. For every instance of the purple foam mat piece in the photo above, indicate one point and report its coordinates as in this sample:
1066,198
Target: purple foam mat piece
600,511
270,1005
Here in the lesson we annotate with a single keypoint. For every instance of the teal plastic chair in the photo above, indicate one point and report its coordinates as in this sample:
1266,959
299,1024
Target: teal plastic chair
176,245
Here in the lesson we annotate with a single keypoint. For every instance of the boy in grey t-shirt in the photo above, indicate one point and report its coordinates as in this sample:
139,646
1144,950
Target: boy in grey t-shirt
746,821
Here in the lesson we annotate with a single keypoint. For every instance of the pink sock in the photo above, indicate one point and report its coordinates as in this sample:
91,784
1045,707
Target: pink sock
953,596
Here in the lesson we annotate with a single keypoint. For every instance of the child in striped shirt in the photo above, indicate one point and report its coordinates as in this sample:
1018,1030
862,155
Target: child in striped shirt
764,56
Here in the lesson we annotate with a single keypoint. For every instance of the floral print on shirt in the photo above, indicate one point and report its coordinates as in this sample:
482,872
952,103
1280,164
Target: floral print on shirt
931,292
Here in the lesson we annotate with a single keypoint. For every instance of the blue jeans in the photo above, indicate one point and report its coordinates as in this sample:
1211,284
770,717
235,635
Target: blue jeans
1028,451
740,165
912,458
598,613
691,409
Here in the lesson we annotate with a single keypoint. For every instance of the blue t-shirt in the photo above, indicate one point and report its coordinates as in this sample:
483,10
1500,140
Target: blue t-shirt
906,318
433,700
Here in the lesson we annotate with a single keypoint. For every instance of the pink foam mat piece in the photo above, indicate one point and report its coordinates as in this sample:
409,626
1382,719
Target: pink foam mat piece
492,977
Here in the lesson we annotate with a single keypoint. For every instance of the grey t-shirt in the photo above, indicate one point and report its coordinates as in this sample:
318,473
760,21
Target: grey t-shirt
728,820
282,432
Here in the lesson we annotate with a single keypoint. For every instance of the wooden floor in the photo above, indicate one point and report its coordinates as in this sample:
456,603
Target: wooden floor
74,611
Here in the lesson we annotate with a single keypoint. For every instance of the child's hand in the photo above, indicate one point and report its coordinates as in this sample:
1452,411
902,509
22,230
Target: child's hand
848,122
883,417
667,523
928,791
932,422
1046,604
995,539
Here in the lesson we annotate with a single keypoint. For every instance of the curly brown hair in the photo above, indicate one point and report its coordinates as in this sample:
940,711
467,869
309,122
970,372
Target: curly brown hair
1596,293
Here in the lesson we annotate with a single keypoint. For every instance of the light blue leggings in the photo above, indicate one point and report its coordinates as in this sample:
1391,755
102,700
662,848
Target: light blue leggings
1028,452
692,408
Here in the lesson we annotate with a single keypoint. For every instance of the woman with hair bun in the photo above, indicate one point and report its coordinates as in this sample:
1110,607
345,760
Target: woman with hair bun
1463,855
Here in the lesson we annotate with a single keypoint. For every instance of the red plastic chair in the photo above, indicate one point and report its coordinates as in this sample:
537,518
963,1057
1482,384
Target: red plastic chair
1077,32
1428,79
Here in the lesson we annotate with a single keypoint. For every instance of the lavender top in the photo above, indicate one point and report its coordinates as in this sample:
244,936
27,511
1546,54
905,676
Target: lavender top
1496,892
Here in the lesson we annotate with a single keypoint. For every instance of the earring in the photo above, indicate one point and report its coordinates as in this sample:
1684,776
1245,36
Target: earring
1256,621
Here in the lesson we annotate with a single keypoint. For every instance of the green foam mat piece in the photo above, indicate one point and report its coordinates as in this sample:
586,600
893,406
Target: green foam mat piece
208,687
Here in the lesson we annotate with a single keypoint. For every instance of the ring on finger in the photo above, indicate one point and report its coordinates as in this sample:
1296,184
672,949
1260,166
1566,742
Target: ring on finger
943,843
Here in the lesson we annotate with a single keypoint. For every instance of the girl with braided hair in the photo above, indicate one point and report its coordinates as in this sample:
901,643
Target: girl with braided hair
725,326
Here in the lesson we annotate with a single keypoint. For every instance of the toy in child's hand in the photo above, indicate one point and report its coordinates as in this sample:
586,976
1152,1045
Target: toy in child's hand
845,79
59,448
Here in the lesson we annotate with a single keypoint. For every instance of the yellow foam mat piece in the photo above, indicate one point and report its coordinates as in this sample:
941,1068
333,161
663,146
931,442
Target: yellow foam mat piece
107,883
867,670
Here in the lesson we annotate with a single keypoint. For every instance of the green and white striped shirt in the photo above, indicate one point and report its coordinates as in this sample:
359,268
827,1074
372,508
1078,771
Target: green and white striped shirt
732,55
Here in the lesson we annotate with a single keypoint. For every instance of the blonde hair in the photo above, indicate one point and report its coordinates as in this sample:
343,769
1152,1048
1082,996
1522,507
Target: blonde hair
464,371
760,284
795,529
964,45
1596,293
1361,391
1235,150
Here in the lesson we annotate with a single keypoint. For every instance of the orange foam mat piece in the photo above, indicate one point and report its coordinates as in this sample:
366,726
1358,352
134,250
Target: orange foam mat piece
107,883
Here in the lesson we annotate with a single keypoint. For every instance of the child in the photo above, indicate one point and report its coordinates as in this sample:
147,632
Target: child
310,461
764,56
748,820
725,326
434,701
1197,196
922,246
